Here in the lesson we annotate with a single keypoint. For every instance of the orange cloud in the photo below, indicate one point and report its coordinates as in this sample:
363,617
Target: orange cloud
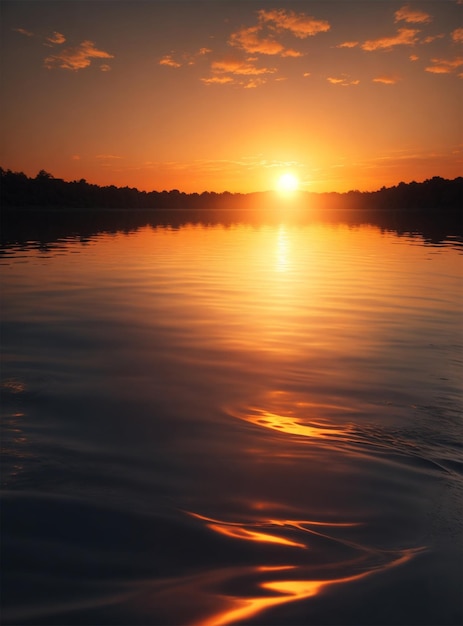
412,16
261,38
386,80
23,31
404,37
55,39
187,57
289,52
413,57
457,35
169,61
233,71
343,80
217,80
250,40
348,44
254,82
76,58
235,66
444,66
432,38
299,24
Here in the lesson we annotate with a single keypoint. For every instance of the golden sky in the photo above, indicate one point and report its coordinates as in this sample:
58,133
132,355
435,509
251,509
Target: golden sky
228,95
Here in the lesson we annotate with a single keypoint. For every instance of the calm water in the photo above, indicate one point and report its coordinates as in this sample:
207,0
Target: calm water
251,424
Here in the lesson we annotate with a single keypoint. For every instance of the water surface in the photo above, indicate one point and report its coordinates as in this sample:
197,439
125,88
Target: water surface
254,423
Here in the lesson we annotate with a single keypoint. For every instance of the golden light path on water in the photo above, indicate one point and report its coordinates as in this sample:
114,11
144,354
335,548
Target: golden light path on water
292,415
311,572
288,583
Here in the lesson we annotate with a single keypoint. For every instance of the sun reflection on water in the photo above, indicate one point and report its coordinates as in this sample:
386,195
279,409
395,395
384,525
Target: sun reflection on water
267,586
288,414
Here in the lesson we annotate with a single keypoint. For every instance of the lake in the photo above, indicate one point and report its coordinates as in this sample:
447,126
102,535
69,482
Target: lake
216,421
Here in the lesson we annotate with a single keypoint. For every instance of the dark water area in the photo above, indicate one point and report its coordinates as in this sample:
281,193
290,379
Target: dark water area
247,418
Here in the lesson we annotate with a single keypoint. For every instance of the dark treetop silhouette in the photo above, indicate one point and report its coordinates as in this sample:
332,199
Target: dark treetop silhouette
46,209
45,191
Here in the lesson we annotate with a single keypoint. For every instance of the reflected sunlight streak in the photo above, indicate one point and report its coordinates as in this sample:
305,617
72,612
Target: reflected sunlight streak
288,415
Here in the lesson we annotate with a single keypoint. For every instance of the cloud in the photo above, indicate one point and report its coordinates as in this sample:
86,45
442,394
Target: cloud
55,39
298,24
343,80
386,80
76,58
188,58
104,67
262,37
253,83
412,16
457,35
404,37
237,72
107,157
217,80
432,38
250,40
169,61
348,44
289,52
413,57
23,31
235,66
444,66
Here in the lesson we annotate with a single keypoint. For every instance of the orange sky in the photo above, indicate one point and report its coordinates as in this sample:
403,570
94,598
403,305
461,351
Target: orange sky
227,95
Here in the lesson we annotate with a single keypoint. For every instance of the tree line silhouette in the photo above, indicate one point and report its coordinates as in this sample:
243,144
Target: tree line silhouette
436,195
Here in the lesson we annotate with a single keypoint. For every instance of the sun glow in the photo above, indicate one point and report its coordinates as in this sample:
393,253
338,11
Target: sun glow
287,183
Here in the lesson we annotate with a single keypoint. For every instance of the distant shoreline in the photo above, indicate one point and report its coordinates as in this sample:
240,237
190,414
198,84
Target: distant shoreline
44,192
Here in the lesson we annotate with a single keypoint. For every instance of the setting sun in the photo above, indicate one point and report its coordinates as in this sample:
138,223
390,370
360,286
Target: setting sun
287,183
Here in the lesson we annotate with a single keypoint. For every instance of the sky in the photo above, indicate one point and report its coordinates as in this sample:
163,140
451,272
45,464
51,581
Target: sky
228,95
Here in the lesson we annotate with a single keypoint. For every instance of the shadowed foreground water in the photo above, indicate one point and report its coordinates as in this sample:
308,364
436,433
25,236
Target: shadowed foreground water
252,424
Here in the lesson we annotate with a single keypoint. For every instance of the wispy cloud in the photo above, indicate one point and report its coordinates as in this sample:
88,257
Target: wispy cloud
169,61
234,66
412,16
413,57
386,80
55,39
237,72
343,81
183,59
403,37
254,82
348,44
77,57
262,38
298,24
217,80
431,38
107,157
445,66
251,40
457,35
23,31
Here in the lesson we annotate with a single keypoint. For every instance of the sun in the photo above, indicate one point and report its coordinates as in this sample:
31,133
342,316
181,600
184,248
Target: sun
287,183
